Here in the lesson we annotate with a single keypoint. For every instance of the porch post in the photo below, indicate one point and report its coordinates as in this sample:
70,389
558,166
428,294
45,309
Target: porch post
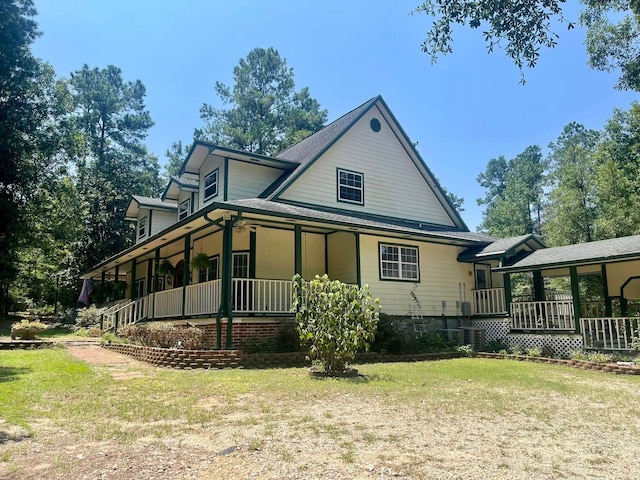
149,275
156,281
185,269
507,292
358,272
227,283
608,311
538,286
117,279
103,279
132,290
252,254
298,250
575,293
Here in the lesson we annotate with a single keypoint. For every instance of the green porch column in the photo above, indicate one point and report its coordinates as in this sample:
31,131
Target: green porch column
538,286
132,290
608,310
227,284
103,279
298,249
149,275
507,292
358,269
575,293
185,270
156,282
117,278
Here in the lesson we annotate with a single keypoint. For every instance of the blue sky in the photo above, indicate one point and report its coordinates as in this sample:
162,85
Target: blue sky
464,110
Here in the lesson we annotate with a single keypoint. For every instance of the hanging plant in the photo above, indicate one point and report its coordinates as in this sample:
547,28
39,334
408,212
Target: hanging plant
200,261
166,268
119,286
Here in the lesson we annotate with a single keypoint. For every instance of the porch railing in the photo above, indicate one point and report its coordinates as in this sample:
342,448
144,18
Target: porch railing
609,333
251,295
203,298
594,309
168,303
126,314
551,315
489,301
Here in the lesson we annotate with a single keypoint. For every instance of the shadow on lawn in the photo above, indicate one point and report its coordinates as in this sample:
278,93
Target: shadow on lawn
7,374
6,437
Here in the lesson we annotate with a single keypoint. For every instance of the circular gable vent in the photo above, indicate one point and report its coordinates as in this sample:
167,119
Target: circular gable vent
375,124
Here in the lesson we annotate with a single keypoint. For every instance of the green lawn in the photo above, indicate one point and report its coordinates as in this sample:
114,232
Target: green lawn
509,411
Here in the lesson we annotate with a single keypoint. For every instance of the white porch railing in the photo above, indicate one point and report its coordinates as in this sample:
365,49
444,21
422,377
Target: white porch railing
168,303
203,298
126,314
251,295
592,309
552,315
489,301
609,333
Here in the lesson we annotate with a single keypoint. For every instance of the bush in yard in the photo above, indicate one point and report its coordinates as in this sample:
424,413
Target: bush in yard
164,336
88,317
334,319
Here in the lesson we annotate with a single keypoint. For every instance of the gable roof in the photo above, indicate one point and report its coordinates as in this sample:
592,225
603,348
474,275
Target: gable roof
601,251
138,202
499,248
311,148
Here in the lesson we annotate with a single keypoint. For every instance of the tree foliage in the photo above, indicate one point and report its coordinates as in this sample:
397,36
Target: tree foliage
524,28
334,319
266,114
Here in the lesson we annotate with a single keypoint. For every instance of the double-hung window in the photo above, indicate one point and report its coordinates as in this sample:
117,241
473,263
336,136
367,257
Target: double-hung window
142,227
399,262
183,209
350,187
211,185
211,273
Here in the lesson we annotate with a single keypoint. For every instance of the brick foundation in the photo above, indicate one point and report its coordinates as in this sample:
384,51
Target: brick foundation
241,332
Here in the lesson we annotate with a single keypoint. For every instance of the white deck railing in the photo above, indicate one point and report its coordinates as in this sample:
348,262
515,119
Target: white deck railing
203,298
126,314
488,301
609,333
552,315
168,303
592,309
252,295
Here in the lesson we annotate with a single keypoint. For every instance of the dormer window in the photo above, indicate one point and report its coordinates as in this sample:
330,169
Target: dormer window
142,227
211,185
183,209
350,187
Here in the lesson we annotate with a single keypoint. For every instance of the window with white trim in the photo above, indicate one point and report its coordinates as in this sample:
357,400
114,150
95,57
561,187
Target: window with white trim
350,187
398,262
183,209
211,185
142,227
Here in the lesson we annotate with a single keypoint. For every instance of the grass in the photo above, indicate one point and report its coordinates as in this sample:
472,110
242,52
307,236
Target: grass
355,415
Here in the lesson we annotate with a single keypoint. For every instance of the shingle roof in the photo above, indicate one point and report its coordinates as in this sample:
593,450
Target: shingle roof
185,181
258,205
601,251
497,248
154,203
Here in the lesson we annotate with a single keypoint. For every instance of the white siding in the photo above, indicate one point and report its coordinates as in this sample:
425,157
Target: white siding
209,165
247,180
341,254
161,220
442,277
393,185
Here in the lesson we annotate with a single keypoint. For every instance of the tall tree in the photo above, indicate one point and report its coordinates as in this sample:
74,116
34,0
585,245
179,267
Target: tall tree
112,120
571,212
267,115
175,156
526,27
514,199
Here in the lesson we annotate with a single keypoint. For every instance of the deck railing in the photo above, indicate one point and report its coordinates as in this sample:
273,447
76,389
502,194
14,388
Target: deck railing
489,301
203,298
609,333
168,303
551,315
251,295
592,309
126,314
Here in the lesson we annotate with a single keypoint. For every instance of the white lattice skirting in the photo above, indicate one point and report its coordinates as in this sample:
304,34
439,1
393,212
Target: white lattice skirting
562,345
496,328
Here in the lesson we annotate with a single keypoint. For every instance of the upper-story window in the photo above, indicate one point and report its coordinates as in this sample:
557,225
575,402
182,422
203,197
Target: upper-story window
350,187
211,185
399,262
183,209
142,227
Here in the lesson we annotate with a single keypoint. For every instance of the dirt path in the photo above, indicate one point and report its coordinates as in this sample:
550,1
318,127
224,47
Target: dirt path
121,367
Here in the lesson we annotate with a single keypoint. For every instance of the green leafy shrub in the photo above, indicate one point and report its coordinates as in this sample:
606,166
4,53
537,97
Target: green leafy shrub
534,352
258,344
27,329
165,336
495,346
334,319
517,350
111,337
388,338
88,317
287,338
466,350
548,351
429,342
